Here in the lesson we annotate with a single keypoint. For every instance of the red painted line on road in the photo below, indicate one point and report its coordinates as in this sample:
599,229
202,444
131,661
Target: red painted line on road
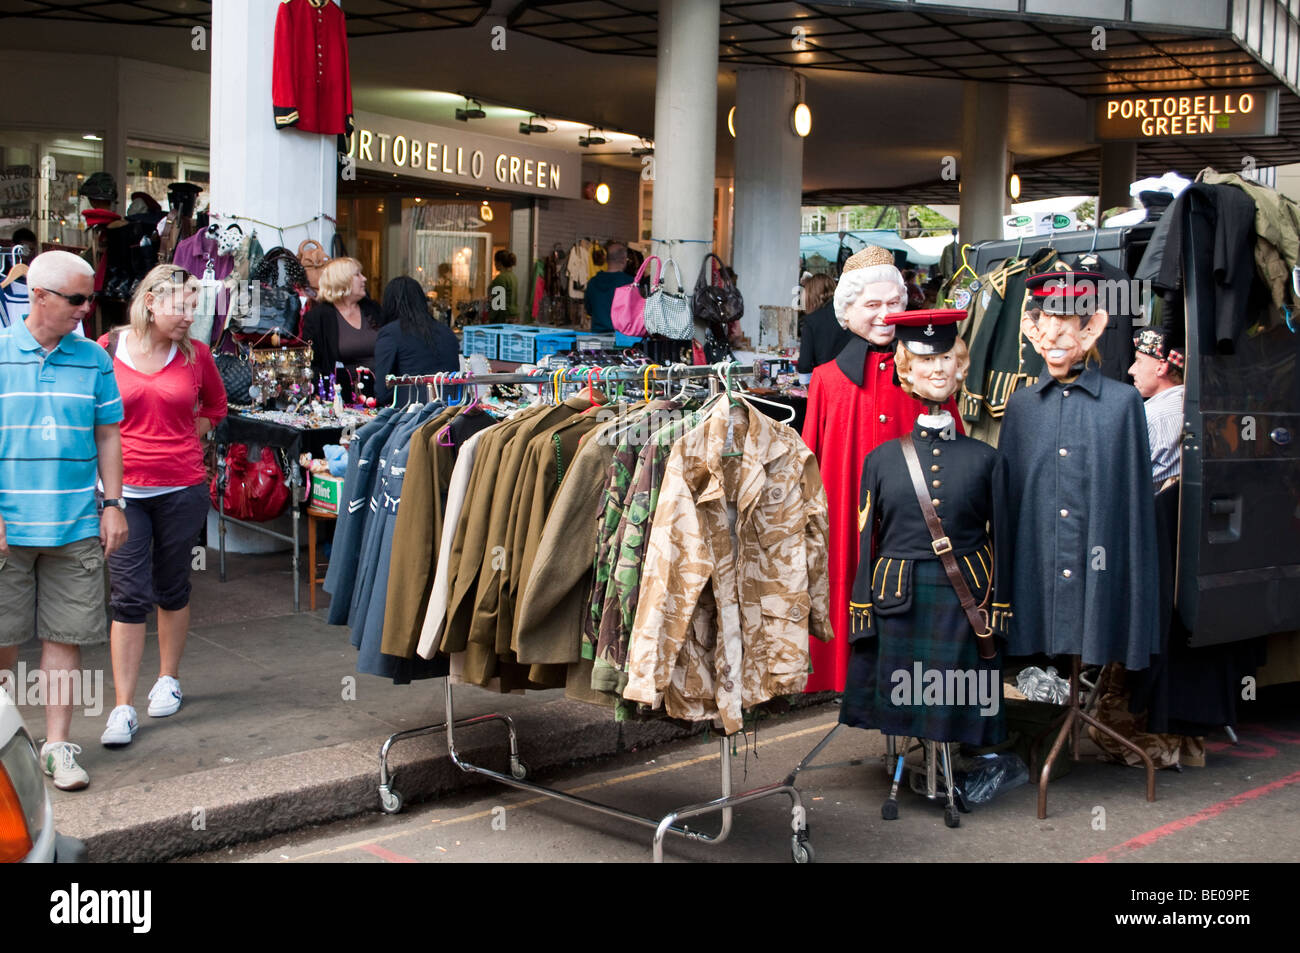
385,854
1214,810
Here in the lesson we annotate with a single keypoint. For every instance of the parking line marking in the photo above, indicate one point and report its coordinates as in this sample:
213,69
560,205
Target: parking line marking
385,854
479,815
1173,827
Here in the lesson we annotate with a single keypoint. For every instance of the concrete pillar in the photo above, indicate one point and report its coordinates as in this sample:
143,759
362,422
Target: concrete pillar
1118,172
686,116
769,182
279,176
984,199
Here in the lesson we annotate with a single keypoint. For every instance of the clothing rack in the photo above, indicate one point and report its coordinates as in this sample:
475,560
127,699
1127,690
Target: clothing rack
391,801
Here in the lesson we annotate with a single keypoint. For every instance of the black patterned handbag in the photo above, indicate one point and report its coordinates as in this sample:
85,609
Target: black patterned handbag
236,370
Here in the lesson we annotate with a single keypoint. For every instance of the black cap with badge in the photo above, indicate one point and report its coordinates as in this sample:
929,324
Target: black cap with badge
933,331
1067,292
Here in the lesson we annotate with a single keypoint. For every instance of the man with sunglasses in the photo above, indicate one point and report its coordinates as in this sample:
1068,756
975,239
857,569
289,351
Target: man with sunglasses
59,416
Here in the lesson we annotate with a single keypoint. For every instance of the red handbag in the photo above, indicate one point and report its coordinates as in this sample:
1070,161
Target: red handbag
255,490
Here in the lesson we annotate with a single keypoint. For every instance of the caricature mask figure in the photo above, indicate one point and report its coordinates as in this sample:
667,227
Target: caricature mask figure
1063,322
931,360
1063,340
870,289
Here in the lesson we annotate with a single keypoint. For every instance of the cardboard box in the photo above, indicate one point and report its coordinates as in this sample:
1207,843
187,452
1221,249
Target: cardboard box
325,492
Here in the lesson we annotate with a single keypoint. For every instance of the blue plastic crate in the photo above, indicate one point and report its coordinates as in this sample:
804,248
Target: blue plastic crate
552,342
516,344
625,340
480,339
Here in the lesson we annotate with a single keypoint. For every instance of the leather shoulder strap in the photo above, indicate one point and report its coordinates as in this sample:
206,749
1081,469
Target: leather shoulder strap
942,547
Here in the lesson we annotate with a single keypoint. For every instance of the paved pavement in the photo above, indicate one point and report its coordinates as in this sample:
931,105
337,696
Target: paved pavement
270,741
1241,807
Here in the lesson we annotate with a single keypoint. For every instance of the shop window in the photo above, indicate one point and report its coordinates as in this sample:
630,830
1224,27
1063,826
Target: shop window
40,175
151,167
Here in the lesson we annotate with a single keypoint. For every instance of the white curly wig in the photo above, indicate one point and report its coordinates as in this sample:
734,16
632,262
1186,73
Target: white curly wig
853,282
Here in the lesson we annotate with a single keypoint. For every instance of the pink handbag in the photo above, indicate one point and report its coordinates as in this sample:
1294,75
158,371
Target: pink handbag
628,310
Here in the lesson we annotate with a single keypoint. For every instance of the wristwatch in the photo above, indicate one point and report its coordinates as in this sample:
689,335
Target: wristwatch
119,503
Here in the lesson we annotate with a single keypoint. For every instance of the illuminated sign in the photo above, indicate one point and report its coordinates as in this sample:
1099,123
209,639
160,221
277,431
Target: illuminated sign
1181,115
457,157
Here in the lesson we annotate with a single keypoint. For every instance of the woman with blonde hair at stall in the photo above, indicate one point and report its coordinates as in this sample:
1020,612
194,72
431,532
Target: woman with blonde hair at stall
172,396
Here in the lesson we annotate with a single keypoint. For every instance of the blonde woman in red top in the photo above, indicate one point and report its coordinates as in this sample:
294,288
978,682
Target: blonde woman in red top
172,396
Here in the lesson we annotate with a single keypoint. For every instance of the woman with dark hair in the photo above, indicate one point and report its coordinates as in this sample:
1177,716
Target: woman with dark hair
411,340
503,293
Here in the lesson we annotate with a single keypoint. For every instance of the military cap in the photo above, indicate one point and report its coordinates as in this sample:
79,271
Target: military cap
1066,292
927,332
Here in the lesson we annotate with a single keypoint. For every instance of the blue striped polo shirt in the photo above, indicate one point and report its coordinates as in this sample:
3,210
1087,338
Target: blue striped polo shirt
49,408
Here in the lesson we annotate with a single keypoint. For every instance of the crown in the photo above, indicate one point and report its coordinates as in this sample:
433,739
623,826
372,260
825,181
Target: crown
868,257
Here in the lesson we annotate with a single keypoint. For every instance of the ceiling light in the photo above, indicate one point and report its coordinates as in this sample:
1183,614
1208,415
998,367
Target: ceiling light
532,126
594,137
1014,186
91,137
485,211
801,120
602,194
731,121
468,112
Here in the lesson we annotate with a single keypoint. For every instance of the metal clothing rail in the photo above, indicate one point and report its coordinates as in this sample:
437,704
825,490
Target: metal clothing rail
391,801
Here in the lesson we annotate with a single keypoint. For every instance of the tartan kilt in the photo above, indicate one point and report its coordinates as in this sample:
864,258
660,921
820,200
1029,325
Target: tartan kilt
935,632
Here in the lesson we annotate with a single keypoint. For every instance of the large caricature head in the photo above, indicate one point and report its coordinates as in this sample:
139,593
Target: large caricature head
1063,320
870,289
932,360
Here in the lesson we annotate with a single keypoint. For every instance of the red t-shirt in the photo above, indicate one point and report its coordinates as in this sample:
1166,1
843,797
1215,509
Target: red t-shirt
159,444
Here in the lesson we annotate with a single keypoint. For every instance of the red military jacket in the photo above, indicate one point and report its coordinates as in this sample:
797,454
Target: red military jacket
853,407
311,87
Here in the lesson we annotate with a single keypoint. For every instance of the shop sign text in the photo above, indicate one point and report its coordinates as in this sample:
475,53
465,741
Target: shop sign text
1186,114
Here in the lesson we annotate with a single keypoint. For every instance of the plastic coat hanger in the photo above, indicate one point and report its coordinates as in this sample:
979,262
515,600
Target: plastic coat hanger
750,397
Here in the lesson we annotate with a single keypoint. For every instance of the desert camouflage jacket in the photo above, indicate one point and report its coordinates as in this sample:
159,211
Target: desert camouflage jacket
753,526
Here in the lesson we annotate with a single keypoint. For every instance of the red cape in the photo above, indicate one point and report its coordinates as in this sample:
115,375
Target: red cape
846,421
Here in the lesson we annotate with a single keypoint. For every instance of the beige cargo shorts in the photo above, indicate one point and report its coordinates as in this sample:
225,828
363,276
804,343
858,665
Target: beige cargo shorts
56,593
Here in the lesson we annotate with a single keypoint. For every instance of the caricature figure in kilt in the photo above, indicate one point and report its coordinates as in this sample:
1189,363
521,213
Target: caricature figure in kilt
917,667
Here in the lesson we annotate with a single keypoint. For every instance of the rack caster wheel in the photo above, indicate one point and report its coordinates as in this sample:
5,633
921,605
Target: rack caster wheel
519,771
951,817
889,810
390,801
801,851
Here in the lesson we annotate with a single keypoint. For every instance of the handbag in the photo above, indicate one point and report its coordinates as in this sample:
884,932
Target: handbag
236,373
255,490
312,257
271,303
716,301
627,313
668,313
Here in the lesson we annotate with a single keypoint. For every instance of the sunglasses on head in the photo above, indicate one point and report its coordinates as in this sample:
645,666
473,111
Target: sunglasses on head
76,300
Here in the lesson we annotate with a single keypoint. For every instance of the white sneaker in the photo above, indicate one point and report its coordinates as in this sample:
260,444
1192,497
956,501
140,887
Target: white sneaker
164,697
58,760
122,726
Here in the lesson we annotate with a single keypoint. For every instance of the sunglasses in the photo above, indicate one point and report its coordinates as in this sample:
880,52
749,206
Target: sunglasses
76,300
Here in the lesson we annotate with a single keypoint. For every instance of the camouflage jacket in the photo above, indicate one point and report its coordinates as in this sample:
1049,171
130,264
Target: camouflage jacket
754,527
625,576
618,481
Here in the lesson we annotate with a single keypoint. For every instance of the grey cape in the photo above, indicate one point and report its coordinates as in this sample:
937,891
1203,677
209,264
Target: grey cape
1085,567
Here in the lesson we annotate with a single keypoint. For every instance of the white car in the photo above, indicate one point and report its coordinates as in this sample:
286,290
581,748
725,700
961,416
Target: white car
27,832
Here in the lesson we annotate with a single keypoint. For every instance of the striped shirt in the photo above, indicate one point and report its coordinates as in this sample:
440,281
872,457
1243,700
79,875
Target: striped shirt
1165,431
50,405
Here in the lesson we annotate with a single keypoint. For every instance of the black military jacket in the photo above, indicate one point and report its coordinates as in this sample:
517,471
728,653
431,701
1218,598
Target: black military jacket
966,480
1085,578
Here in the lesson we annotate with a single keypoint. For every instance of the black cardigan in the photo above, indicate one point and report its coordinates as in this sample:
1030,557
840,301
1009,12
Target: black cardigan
320,328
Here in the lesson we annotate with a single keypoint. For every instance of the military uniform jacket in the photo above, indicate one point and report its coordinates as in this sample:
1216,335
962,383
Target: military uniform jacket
311,88
966,479
1085,578
754,527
